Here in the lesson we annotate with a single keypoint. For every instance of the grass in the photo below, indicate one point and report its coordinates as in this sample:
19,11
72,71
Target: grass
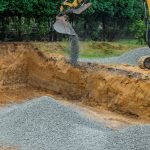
90,49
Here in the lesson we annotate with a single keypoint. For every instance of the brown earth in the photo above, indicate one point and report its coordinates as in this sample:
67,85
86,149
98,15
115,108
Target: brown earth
25,73
8,148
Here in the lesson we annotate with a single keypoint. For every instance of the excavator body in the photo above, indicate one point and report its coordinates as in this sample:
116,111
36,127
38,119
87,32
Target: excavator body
144,61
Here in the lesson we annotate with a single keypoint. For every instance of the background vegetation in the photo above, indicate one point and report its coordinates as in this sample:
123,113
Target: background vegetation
106,20
89,49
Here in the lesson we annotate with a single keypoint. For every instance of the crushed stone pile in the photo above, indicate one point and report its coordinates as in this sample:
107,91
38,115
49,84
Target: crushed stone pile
44,124
130,57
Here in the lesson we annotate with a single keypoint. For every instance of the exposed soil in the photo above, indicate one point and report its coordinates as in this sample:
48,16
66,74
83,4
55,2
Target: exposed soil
25,73
8,148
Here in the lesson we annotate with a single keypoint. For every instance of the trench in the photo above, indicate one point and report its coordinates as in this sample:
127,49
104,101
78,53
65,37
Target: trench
122,89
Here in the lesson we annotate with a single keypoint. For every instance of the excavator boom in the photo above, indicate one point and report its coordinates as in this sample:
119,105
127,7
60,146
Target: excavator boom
62,25
144,61
148,5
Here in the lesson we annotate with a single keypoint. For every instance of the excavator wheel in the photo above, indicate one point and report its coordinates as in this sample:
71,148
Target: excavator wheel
144,62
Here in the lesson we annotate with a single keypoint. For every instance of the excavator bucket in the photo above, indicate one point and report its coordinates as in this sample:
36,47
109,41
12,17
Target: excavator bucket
63,27
148,5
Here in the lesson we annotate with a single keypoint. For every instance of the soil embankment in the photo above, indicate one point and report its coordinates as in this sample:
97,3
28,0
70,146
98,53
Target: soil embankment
119,88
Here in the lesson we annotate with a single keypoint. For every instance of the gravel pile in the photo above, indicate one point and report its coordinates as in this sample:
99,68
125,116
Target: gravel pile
44,124
130,57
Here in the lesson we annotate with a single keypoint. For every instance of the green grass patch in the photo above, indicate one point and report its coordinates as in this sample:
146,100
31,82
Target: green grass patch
90,49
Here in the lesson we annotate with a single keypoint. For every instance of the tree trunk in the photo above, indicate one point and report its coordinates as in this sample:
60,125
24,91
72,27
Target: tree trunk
19,37
104,28
3,34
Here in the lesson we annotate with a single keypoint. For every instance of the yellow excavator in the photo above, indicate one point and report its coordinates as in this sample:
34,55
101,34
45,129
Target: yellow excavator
144,62
76,7
63,26
74,4
147,20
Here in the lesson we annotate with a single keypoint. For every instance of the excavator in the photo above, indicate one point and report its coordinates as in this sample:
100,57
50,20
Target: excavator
144,62
63,26
77,7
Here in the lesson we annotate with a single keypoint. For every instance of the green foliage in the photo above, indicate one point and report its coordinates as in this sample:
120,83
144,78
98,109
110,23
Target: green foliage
89,49
138,28
106,20
3,5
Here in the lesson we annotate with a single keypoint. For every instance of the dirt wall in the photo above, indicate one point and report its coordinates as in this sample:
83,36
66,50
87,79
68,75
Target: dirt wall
122,89
120,93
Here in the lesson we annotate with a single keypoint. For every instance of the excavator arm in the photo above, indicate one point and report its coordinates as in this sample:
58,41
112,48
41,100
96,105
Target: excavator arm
148,5
74,4
144,61
76,7
64,27
147,21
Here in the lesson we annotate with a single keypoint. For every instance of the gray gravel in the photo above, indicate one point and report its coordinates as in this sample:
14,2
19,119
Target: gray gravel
130,57
44,124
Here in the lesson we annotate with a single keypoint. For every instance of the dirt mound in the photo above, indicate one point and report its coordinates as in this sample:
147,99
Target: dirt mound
119,88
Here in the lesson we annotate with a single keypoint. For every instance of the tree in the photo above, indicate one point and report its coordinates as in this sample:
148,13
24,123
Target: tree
34,19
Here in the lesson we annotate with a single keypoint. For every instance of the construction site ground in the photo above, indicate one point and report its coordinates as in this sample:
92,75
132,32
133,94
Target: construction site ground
117,95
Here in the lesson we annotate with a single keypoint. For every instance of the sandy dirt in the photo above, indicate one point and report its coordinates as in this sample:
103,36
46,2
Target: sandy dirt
7,148
25,73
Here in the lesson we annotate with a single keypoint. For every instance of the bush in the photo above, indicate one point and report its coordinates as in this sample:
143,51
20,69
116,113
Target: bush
138,29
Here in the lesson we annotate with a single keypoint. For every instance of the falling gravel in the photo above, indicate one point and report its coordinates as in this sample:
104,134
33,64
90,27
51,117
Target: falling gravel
74,49
44,124
130,57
